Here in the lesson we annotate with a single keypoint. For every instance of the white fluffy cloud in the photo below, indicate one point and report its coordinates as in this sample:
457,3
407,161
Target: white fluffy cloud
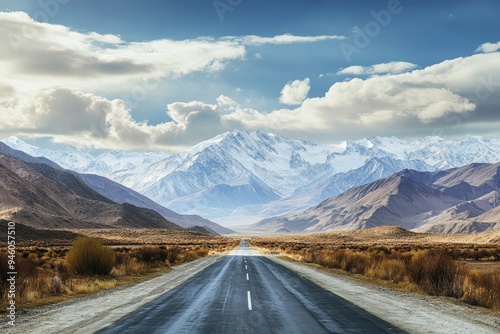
450,93
489,47
295,92
384,68
41,55
455,93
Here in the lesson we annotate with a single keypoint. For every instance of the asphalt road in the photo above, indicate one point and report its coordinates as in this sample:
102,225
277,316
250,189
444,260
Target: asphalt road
245,293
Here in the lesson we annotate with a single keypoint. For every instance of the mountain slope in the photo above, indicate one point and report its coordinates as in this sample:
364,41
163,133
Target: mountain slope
121,194
39,195
116,192
217,177
457,200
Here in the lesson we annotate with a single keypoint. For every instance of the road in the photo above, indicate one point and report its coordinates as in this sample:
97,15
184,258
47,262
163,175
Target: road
247,293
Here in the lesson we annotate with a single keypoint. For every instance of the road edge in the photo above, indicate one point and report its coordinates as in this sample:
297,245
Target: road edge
92,313
409,311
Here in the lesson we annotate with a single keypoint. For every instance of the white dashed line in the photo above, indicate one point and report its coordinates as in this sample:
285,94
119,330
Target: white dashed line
246,268
247,277
249,301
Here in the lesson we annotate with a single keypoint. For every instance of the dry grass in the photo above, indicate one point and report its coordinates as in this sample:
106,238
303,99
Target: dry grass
148,236
44,274
388,236
468,272
88,256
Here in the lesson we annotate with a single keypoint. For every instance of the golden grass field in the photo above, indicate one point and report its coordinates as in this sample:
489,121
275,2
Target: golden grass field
462,266
45,275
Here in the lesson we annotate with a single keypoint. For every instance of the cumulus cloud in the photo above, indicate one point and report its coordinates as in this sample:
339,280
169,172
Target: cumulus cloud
384,68
37,55
84,119
223,100
457,92
488,47
295,92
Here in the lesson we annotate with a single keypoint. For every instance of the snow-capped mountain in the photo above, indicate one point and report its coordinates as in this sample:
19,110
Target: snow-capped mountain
248,176
89,161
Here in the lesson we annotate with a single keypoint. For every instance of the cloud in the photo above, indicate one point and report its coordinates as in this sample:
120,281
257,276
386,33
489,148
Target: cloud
488,47
295,92
41,55
84,119
281,39
384,68
54,73
457,93
223,100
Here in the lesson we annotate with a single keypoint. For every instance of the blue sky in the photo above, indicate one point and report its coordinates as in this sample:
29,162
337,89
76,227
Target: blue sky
318,70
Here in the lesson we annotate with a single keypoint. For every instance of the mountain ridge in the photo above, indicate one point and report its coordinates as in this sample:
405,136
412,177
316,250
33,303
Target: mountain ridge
39,195
416,201
110,190
296,174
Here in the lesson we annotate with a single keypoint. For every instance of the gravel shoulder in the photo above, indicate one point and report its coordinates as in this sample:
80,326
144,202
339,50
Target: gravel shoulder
91,313
409,311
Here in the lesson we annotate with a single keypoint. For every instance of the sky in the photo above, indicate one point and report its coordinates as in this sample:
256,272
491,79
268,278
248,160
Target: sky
167,74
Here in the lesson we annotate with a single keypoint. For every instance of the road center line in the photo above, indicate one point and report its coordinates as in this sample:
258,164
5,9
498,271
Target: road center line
246,268
247,277
249,301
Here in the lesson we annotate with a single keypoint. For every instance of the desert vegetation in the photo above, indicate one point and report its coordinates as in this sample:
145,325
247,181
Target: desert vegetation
451,270
48,274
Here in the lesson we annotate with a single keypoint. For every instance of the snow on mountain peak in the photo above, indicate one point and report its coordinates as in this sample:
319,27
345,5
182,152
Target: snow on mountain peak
235,166
17,144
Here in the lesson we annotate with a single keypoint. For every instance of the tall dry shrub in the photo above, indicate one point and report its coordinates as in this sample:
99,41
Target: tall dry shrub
390,269
356,262
88,256
482,289
436,273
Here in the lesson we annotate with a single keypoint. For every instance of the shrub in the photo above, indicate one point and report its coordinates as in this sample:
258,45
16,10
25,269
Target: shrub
482,289
173,254
56,284
390,269
356,262
435,273
150,254
88,256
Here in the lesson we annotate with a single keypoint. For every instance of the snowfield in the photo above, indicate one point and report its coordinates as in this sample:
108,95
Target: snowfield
411,312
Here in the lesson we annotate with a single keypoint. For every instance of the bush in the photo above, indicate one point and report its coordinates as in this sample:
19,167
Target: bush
88,256
150,254
482,289
390,269
173,254
435,273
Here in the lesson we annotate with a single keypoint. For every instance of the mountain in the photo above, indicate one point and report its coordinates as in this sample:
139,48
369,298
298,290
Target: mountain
121,194
40,195
239,176
464,199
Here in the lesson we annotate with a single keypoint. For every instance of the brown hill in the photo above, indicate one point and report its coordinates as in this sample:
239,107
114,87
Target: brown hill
457,200
39,195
